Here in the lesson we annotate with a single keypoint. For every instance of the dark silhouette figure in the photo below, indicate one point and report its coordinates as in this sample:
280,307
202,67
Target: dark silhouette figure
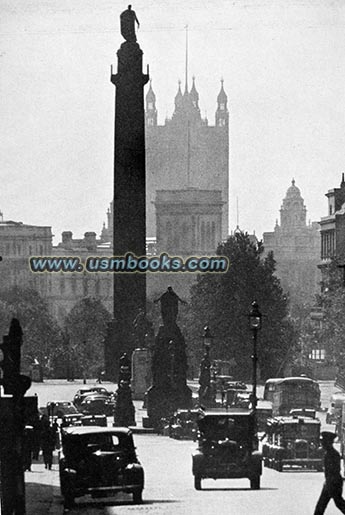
169,306
143,329
27,447
333,487
127,21
47,442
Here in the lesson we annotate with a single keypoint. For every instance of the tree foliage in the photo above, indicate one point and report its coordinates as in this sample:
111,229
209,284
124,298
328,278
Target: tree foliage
42,336
224,300
86,326
328,335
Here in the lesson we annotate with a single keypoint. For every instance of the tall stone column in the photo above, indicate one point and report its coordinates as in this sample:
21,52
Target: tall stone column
129,199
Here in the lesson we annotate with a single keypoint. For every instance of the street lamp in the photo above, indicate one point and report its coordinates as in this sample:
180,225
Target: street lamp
208,337
255,317
205,396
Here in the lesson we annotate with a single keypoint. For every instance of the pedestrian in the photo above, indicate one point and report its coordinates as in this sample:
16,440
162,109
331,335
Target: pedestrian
27,447
47,442
333,486
36,438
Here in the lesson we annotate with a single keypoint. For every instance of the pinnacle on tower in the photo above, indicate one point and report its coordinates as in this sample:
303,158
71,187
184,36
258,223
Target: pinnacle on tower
222,113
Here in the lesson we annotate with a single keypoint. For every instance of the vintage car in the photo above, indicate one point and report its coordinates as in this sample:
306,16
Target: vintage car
227,447
96,404
183,424
99,461
89,390
94,420
61,408
230,394
293,441
71,420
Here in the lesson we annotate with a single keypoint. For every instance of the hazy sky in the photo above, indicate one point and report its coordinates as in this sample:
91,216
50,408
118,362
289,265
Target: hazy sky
283,64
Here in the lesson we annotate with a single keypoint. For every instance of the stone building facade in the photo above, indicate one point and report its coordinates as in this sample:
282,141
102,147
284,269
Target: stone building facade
66,289
189,221
18,242
296,248
186,152
332,229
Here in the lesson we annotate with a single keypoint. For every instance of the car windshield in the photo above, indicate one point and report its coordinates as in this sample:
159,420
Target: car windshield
220,428
79,445
301,431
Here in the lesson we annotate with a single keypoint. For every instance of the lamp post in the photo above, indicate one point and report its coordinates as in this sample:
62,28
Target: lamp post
255,317
208,337
205,394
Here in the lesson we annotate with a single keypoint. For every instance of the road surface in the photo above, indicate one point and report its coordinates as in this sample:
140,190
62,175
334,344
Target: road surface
169,487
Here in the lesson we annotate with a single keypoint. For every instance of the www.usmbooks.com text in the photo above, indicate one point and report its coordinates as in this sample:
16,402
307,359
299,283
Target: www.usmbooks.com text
130,263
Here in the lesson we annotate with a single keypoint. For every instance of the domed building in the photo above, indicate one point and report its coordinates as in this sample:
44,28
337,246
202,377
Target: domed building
296,249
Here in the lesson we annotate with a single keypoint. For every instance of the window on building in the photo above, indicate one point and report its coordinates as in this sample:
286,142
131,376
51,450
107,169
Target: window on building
221,122
317,354
222,107
150,121
213,236
150,105
193,233
202,235
85,286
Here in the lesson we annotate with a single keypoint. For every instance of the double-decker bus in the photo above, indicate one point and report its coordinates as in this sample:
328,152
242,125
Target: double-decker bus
293,392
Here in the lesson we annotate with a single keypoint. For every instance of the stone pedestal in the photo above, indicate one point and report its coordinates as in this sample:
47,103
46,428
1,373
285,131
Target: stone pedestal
169,390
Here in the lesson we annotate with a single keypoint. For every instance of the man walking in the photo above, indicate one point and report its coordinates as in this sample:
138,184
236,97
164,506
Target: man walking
333,487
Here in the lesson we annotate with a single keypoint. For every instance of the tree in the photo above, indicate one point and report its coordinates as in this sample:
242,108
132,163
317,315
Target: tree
41,333
223,301
86,326
329,335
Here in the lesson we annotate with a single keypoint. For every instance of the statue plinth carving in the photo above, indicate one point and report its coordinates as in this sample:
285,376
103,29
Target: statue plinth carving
169,390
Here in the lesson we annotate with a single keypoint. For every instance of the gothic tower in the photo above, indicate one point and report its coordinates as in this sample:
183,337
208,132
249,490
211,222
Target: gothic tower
186,152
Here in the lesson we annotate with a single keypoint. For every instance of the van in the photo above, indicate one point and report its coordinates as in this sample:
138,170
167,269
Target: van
335,407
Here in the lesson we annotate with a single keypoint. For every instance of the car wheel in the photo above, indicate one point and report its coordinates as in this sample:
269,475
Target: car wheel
138,496
279,466
197,482
255,483
68,500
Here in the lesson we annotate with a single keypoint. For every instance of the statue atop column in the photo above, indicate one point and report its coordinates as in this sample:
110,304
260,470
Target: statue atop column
169,306
127,22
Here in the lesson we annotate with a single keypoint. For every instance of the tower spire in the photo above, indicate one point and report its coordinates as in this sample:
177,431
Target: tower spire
186,70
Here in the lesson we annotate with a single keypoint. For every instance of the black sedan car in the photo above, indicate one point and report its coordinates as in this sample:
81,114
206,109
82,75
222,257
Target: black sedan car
95,404
99,461
85,391
61,408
